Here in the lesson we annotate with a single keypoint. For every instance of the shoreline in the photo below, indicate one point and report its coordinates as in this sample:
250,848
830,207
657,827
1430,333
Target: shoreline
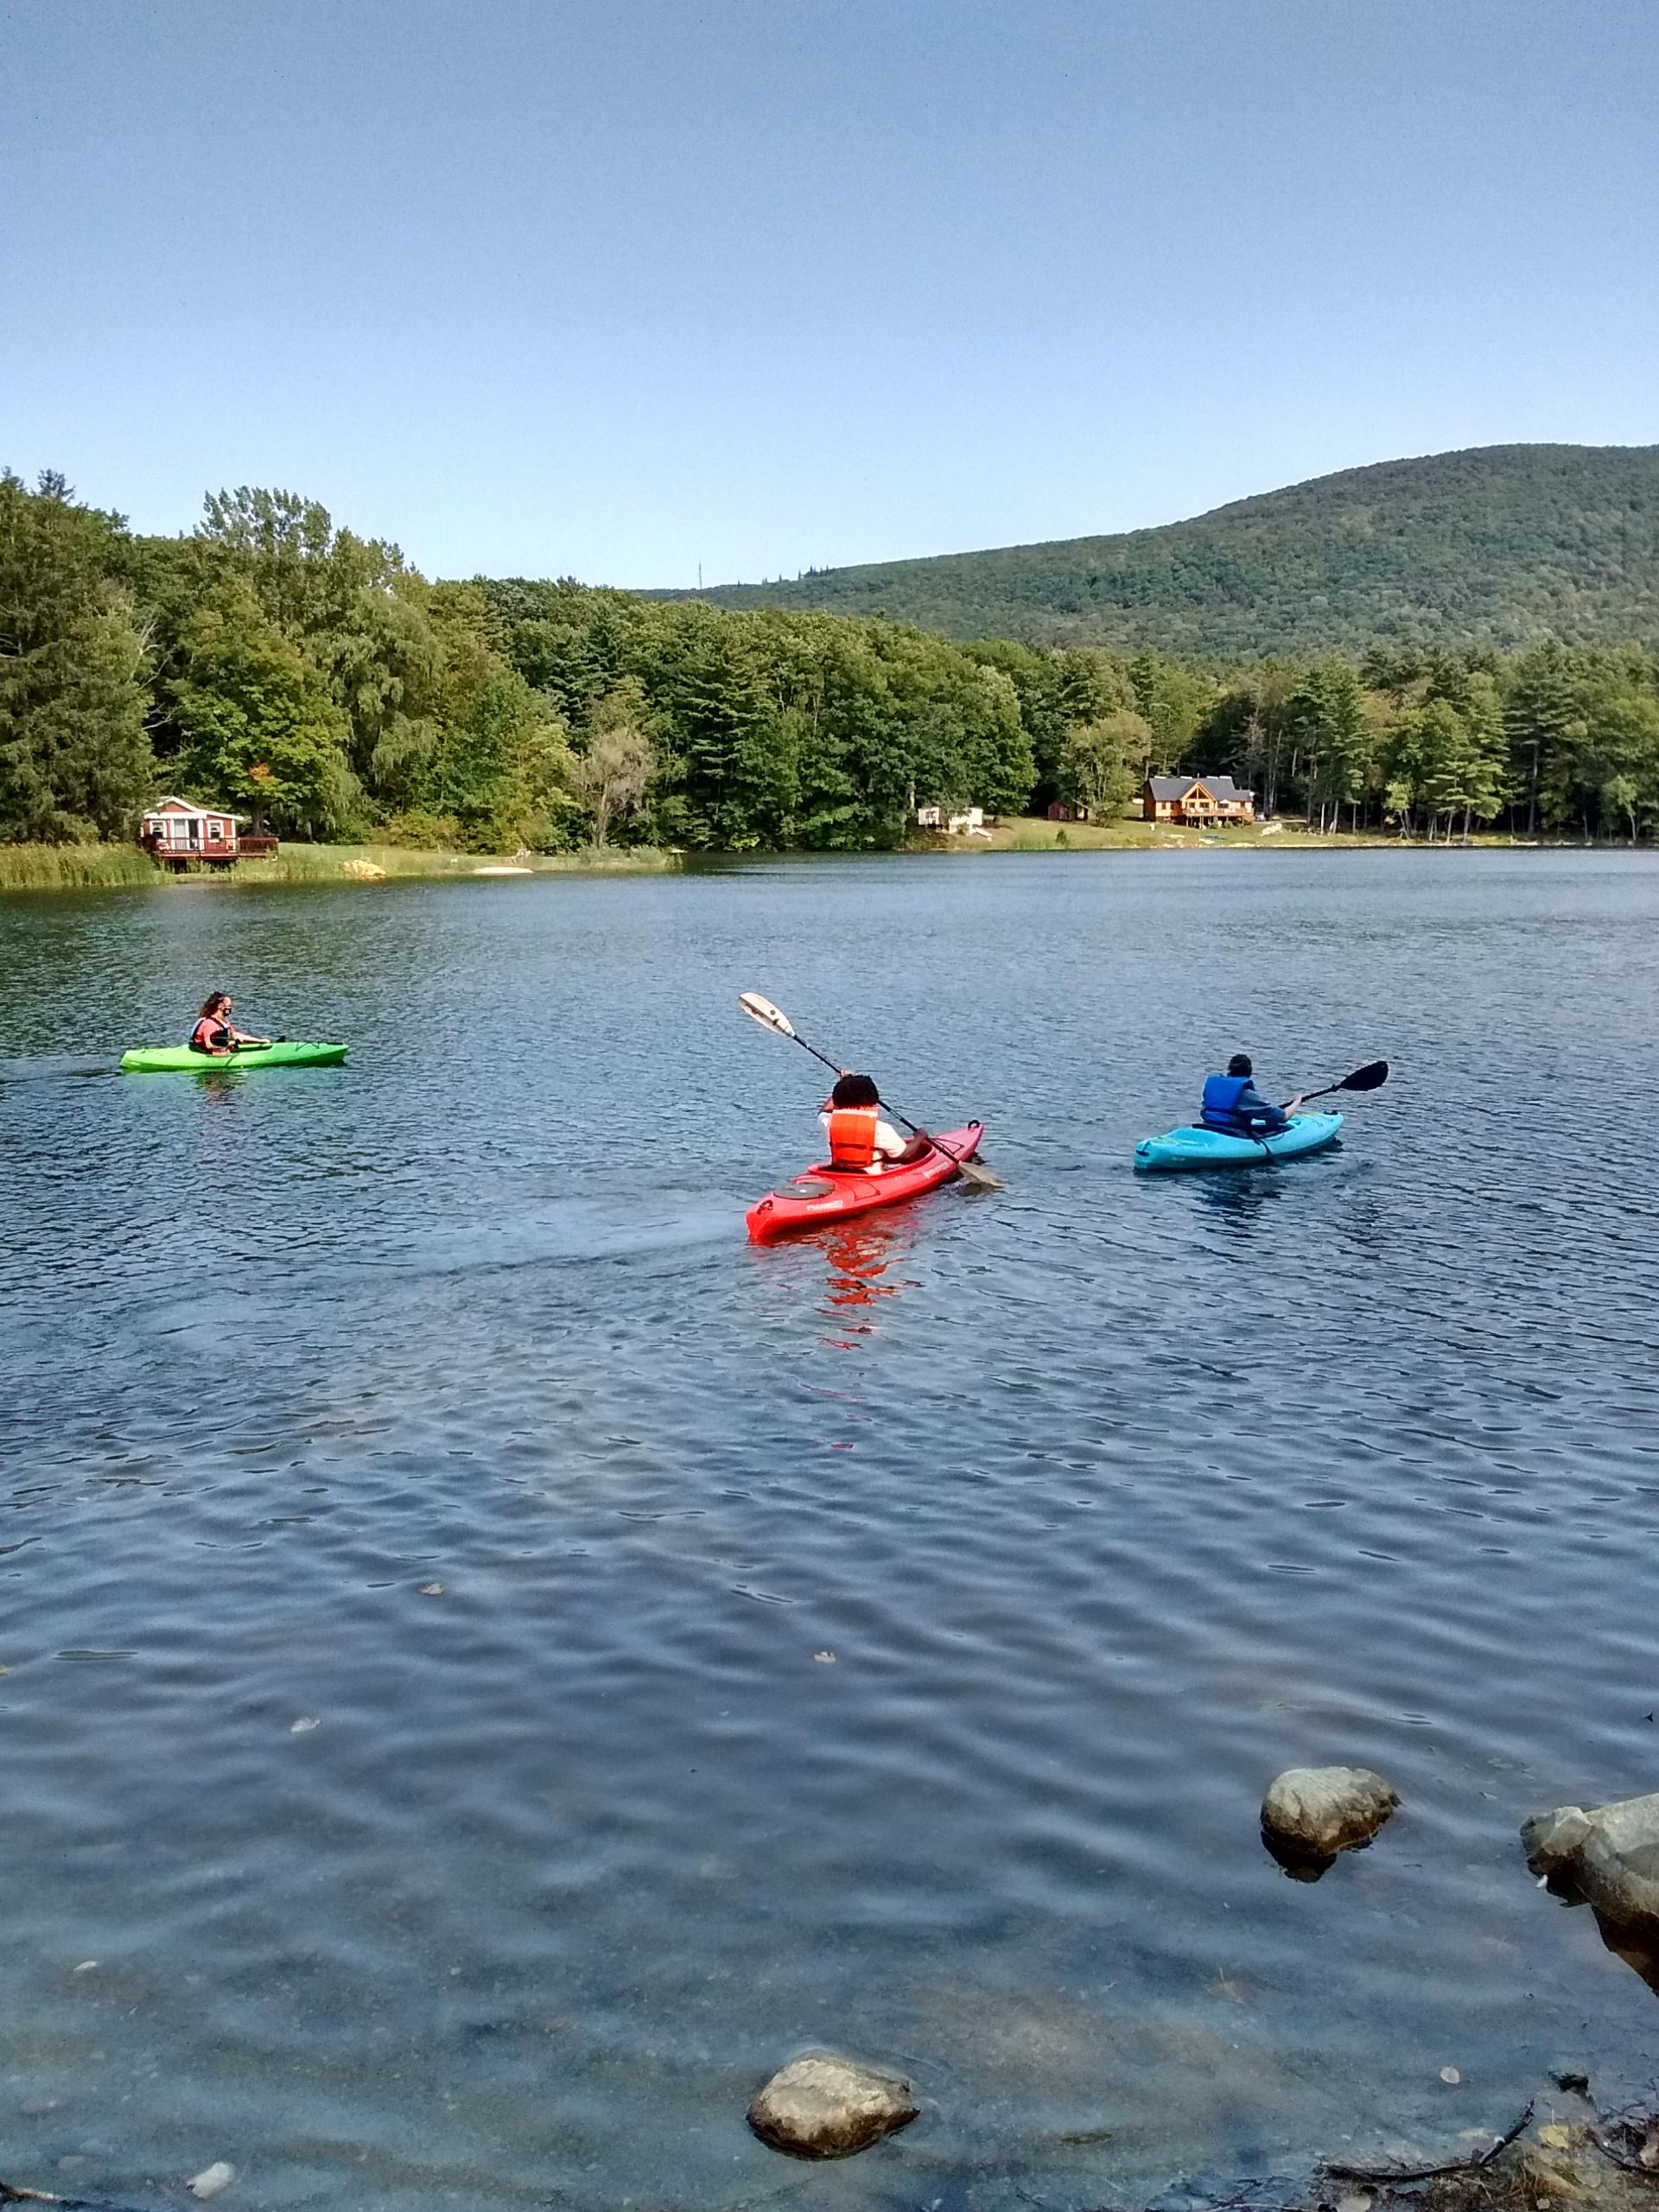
1036,834
1561,2151
25,869
125,867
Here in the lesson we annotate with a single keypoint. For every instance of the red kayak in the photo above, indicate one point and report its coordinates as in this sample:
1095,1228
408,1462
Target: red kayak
835,1194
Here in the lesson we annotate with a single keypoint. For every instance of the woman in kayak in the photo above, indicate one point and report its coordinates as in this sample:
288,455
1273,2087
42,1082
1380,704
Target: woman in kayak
215,1032
1234,1105
860,1141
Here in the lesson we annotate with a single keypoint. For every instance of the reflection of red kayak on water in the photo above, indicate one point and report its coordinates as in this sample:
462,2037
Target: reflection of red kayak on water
859,1253
836,1193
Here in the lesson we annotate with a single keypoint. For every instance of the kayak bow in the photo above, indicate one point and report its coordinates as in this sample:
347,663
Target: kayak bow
171,1060
1197,1147
825,1194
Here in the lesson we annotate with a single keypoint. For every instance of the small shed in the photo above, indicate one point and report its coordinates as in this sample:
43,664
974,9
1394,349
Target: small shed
177,831
1065,810
968,821
1196,799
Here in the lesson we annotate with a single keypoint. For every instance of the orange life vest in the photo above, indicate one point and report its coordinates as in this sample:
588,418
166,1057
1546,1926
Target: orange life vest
852,1135
211,1033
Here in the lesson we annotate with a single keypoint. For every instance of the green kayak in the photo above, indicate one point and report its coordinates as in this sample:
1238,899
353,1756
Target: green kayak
172,1059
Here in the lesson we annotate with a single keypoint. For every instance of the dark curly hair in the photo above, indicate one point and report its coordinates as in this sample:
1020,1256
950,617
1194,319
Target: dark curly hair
855,1091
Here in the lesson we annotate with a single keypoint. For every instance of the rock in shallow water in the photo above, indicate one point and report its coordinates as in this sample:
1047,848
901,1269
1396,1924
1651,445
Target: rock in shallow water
1609,1857
1551,1840
823,2107
1310,1813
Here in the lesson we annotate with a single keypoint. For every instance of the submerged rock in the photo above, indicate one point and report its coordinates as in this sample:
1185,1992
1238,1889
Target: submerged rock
1608,1858
824,2107
1312,1813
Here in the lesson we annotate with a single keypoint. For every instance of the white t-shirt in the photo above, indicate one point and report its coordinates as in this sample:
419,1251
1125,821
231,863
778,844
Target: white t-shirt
888,1142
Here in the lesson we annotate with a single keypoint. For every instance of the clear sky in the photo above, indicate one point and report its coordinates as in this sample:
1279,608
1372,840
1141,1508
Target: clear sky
611,288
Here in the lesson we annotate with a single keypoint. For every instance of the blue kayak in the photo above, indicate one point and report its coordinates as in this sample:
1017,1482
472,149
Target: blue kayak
1196,1147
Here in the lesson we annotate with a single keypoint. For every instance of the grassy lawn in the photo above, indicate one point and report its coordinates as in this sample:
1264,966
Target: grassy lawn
1036,834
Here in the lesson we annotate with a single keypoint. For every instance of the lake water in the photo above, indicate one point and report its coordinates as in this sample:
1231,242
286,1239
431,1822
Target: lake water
1110,1496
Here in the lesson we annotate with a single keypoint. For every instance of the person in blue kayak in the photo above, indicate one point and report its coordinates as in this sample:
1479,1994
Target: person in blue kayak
215,1033
860,1141
1234,1105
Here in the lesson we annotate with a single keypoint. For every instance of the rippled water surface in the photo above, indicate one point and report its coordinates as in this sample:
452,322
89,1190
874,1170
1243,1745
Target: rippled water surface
883,1640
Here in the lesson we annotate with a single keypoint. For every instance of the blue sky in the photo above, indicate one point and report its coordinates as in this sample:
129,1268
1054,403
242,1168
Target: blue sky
545,287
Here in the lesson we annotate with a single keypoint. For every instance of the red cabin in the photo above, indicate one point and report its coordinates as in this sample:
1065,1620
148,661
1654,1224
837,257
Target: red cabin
175,833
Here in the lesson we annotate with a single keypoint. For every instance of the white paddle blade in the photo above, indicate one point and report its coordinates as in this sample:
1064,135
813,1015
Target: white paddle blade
763,1011
977,1176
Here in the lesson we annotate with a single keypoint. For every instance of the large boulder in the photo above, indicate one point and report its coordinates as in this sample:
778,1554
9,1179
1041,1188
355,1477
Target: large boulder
823,2107
1607,1858
1310,1813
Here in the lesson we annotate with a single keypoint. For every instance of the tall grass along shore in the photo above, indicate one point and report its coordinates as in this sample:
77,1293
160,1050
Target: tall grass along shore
97,867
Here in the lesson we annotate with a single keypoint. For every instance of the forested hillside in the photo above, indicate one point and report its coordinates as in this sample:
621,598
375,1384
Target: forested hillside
313,681
1503,545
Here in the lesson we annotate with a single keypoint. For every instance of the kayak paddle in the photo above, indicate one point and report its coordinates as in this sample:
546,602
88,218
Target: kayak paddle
1371,1076
774,1018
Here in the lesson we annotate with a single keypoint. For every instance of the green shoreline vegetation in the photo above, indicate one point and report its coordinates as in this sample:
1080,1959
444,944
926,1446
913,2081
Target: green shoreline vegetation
83,867
312,681
97,866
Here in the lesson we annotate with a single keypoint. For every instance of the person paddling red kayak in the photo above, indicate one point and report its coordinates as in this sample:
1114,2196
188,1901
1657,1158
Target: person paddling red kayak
828,1193
860,1141
864,1171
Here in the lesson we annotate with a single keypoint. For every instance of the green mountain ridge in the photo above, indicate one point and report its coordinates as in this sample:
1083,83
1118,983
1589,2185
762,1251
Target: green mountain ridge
1499,545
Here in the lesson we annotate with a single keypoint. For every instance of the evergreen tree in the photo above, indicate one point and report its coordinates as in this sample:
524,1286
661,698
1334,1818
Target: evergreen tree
75,759
735,777
1545,728
1174,699
1325,715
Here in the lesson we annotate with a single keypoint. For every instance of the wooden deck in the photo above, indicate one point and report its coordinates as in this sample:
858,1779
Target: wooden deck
217,855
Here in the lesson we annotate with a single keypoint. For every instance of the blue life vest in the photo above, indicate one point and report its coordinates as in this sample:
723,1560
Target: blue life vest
1220,1109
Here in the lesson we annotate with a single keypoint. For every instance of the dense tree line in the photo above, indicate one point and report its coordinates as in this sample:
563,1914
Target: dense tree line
1559,741
313,680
